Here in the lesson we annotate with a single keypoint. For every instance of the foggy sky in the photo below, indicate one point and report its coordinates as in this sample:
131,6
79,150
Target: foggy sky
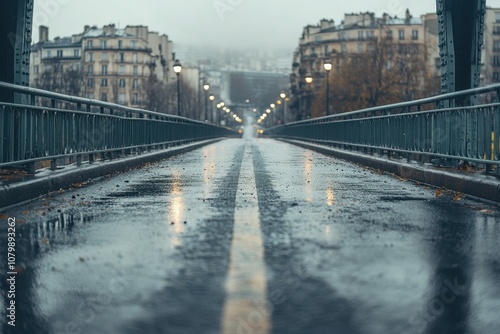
275,24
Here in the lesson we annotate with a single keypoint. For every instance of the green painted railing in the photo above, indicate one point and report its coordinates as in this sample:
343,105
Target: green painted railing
434,129
76,128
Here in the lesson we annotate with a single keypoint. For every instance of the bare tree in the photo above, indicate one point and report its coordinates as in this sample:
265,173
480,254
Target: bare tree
66,79
388,73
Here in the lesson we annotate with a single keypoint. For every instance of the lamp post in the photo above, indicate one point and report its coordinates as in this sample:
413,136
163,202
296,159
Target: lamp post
328,67
212,98
177,70
309,80
206,87
283,97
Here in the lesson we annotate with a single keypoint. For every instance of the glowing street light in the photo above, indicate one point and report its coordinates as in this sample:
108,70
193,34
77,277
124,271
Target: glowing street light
328,67
309,80
177,69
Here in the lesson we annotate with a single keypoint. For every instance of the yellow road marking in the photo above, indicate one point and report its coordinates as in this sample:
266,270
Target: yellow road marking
245,310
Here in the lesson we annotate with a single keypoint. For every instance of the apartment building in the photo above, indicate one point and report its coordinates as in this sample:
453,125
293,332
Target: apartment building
358,34
107,63
491,49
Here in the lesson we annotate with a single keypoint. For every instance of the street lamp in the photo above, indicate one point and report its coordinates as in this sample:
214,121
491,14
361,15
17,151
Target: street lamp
212,98
206,87
309,80
328,67
283,97
177,70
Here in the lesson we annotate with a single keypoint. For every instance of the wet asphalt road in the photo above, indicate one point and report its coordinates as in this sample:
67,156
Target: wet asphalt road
331,247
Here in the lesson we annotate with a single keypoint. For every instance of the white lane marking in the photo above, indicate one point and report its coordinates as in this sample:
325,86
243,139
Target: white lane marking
245,310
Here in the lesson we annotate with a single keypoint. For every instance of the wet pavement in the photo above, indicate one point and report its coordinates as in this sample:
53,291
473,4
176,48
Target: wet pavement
255,236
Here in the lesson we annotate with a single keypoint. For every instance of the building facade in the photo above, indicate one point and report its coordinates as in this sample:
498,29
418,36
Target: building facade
398,39
491,50
106,64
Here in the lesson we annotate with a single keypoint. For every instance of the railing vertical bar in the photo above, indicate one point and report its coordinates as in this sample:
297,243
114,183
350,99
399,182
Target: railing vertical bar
3,124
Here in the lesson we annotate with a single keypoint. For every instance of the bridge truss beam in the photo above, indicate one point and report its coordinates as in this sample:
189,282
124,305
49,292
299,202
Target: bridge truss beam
461,27
16,21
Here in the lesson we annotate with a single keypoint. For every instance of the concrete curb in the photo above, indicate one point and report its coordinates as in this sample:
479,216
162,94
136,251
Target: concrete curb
482,186
18,192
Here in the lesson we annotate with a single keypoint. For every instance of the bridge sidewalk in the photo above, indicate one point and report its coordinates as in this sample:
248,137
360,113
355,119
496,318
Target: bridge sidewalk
17,190
474,183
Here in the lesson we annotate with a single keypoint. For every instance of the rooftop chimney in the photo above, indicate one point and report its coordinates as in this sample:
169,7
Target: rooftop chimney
408,16
109,29
43,34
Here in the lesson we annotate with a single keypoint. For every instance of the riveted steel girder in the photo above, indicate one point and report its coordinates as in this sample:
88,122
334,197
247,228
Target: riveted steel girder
16,20
461,27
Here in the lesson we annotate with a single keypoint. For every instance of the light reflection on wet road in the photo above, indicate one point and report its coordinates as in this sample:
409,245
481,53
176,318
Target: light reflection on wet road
346,250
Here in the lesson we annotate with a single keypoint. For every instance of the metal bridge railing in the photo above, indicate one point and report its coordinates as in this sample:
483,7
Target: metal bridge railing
431,129
77,128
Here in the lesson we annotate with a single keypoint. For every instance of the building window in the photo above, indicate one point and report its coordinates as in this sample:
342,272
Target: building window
360,47
414,35
90,83
496,46
344,48
496,60
135,98
121,70
135,71
497,17
361,35
59,53
122,83
120,44
133,44
104,96
90,44
401,34
76,53
327,50
104,82
104,56
49,54
143,71
90,95
388,65
104,44
104,69
37,69
122,57
90,70
90,56
496,76
342,36
135,58
317,38
389,34
370,34
135,84
121,98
